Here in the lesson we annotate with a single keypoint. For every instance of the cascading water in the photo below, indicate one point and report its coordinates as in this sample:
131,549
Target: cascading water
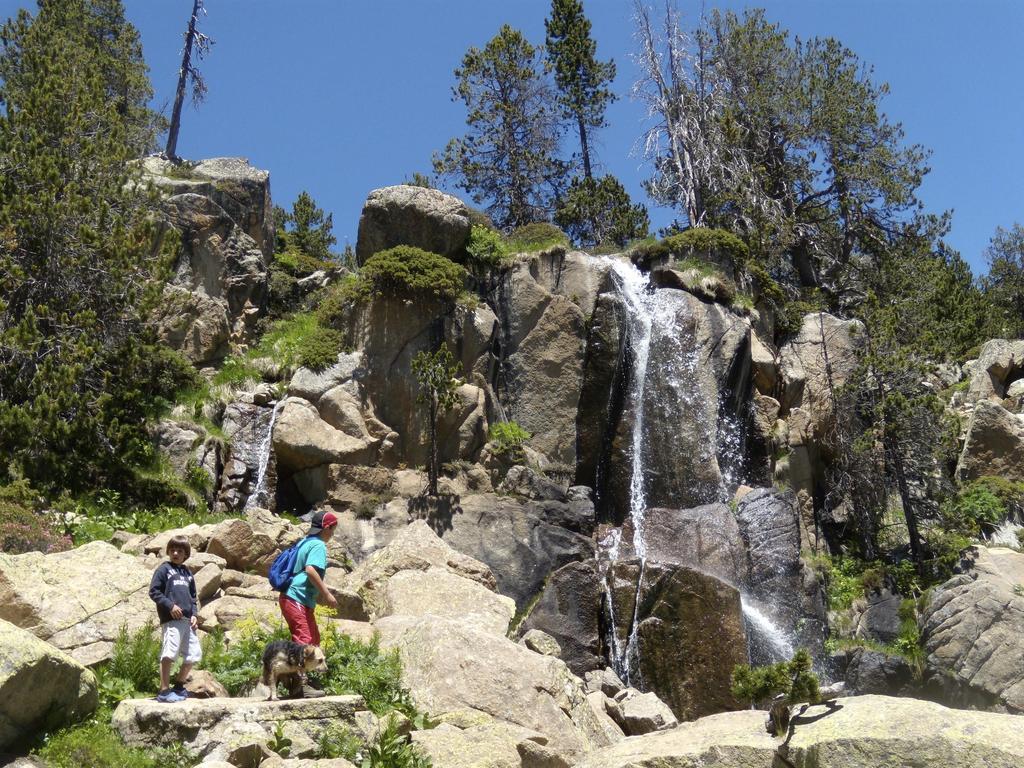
260,496
685,447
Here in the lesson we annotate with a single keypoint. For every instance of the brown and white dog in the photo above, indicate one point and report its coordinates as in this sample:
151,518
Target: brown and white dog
283,657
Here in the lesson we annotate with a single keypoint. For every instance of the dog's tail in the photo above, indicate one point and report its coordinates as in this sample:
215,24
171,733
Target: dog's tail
265,677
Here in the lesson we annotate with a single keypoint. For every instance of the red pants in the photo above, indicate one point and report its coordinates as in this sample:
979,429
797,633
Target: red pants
301,621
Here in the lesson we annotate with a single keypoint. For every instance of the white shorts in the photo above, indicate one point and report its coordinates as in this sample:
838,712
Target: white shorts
180,638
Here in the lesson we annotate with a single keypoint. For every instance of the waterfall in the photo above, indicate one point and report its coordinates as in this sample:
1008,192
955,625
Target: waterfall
767,643
260,495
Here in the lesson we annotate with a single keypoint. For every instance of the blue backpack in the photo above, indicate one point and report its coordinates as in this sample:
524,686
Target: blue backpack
282,570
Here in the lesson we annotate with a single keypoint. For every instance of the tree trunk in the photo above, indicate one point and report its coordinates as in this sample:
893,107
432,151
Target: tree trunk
907,503
433,468
179,95
584,148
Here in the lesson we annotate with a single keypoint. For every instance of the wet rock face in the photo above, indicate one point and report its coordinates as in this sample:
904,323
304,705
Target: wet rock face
689,634
569,610
696,378
779,582
971,629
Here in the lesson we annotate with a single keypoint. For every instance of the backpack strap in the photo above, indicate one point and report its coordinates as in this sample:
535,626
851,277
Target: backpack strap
295,569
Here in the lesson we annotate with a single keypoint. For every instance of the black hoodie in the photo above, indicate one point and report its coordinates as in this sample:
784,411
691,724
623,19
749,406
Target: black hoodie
173,585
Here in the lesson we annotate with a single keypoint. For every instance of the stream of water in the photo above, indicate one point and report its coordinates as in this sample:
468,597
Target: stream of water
260,496
663,354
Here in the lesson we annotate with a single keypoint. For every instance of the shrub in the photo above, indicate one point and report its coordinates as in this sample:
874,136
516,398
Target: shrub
794,678
507,436
95,744
692,242
320,349
392,749
336,741
485,247
980,505
299,264
539,236
412,272
362,668
335,302
23,528
135,659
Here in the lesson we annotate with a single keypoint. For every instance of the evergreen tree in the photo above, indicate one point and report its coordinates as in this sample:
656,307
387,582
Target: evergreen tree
581,79
1004,284
507,161
436,374
595,212
311,230
116,52
79,372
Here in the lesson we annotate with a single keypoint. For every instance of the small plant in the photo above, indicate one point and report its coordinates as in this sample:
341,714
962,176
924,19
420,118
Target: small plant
96,744
362,668
393,750
508,437
539,236
280,743
485,247
782,685
336,741
134,662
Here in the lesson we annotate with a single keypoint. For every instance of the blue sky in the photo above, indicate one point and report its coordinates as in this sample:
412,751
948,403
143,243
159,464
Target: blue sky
339,97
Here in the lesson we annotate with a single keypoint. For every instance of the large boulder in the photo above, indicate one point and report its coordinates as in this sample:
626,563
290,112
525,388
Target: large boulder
232,183
215,728
816,362
408,215
972,630
994,444
77,600
416,548
251,543
219,266
689,633
303,440
856,732
569,610
440,592
494,676
999,364
41,687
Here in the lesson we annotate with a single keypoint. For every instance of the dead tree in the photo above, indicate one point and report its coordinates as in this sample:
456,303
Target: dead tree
197,45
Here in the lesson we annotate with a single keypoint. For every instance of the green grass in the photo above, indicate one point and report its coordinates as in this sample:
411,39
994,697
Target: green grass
95,744
533,238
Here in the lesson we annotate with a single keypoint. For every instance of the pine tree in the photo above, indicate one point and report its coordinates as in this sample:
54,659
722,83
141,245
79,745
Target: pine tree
581,79
507,161
78,371
599,211
436,373
116,52
1004,284
311,230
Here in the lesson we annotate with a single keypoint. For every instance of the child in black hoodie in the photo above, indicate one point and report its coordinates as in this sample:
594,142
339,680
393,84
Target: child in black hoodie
174,591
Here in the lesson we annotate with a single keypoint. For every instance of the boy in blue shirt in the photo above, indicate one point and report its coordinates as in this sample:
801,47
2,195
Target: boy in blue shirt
307,586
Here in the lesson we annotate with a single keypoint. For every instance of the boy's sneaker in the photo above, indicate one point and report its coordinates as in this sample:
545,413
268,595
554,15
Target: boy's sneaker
169,697
180,690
